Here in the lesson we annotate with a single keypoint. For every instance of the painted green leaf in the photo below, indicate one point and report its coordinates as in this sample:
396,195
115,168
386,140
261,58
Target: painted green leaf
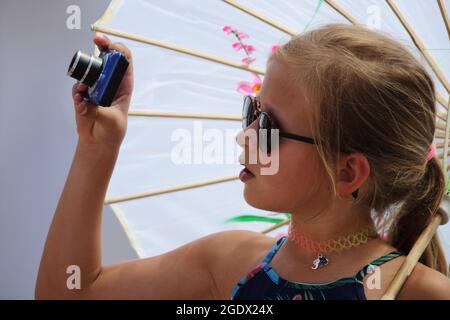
253,218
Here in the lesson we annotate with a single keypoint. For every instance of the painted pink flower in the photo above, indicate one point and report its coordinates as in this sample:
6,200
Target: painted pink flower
248,60
227,29
247,47
297,297
247,88
275,47
237,46
242,35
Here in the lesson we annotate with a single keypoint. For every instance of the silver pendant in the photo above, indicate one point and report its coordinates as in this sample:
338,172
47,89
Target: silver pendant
319,262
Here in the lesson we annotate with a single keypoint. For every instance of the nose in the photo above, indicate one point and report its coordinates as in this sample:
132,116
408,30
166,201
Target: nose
240,137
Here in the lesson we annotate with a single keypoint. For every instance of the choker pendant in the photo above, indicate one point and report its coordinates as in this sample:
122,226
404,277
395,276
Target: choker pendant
319,262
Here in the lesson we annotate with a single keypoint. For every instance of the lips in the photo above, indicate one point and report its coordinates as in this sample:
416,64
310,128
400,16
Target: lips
247,169
246,174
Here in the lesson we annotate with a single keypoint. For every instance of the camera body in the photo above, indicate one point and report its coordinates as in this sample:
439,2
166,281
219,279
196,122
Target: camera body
101,74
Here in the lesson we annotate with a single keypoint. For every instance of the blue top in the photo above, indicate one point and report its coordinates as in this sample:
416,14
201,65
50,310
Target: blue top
264,283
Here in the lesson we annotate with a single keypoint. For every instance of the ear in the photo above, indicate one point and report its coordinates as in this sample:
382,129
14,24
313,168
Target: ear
353,171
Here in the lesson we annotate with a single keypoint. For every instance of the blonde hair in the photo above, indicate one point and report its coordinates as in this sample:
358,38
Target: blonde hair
370,95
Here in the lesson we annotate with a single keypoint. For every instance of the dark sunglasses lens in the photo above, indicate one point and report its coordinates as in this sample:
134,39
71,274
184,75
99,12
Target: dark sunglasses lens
248,112
264,121
265,126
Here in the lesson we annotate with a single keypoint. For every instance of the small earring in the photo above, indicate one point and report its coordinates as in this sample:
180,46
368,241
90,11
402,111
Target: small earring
355,193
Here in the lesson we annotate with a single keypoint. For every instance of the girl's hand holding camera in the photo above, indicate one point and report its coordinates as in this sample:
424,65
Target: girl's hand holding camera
104,126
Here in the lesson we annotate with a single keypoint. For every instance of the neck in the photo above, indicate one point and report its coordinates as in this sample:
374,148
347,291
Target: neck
332,224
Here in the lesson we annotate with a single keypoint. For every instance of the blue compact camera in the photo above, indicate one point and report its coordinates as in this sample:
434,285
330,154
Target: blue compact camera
101,74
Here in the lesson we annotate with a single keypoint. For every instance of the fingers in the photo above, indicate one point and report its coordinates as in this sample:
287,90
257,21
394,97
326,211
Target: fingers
126,86
81,107
104,43
80,102
78,88
84,107
122,49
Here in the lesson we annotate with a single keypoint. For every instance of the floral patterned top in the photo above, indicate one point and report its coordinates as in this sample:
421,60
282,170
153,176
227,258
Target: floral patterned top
264,283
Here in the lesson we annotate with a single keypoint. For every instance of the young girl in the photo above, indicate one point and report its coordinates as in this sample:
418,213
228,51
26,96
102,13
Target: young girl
358,116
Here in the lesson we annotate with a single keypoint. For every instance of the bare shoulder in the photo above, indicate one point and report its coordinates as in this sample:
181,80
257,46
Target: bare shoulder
425,283
232,254
236,239
201,269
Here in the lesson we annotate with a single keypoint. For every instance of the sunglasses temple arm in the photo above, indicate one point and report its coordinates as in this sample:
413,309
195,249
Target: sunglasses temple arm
297,137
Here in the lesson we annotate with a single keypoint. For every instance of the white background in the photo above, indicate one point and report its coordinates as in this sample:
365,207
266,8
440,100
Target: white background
38,134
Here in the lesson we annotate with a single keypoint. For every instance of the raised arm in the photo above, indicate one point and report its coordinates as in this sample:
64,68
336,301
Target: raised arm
74,235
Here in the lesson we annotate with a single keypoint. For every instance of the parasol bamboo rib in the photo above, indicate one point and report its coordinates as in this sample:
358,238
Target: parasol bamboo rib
419,45
444,16
447,135
440,156
170,189
274,24
416,41
124,35
163,114
440,145
438,135
441,100
411,260
440,129
276,226
440,126
197,54
341,11
411,33
441,115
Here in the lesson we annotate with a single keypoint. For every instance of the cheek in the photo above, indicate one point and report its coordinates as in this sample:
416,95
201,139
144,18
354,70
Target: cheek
294,180
289,187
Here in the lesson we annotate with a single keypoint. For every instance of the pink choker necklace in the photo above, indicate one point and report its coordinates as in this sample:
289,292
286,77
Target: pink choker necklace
334,245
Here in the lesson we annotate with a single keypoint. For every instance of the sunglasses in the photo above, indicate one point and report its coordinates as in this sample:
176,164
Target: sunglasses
251,110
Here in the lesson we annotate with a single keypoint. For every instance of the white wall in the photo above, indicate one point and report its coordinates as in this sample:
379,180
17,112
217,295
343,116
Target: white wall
38,133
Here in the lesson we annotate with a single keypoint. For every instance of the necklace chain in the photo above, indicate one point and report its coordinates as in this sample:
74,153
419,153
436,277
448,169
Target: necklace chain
333,245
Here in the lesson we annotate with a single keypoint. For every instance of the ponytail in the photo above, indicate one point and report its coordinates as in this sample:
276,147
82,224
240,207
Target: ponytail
416,213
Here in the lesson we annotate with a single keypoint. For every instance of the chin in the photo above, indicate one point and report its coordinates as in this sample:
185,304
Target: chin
259,200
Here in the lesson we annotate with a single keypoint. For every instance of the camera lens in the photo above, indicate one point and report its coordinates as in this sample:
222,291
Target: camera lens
85,68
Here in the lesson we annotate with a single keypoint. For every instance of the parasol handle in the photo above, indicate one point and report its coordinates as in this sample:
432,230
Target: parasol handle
417,250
